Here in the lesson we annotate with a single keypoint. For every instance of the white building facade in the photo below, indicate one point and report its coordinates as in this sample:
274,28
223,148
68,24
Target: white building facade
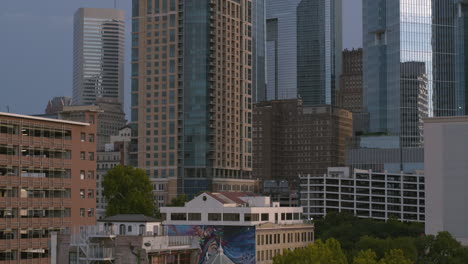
365,194
446,166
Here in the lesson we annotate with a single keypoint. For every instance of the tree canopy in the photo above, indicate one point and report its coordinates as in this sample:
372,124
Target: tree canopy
179,201
128,190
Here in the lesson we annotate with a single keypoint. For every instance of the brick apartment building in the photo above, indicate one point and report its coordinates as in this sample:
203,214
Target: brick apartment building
290,139
47,182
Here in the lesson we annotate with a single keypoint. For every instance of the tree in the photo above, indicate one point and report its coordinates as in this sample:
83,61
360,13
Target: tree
395,256
443,249
128,191
318,253
179,201
365,257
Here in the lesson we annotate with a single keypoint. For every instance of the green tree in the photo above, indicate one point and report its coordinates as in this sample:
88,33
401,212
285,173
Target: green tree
365,257
128,191
395,256
441,249
382,246
179,201
318,253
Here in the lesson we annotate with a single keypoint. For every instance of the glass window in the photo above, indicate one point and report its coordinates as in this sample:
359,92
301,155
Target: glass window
194,216
214,217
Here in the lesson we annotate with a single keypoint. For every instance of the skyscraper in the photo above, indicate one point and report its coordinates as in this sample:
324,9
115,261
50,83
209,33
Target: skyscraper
192,92
417,37
259,56
98,55
304,45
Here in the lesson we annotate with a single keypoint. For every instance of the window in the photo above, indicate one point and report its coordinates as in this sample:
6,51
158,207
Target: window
90,193
91,137
214,217
82,155
178,216
194,216
251,217
83,137
82,175
141,229
90,174
82,212
265,217
129,228
91,119
231,217
82,193
90,212
91,155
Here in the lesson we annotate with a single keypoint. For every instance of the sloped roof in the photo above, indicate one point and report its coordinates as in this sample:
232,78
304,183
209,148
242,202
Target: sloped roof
231,197
129,218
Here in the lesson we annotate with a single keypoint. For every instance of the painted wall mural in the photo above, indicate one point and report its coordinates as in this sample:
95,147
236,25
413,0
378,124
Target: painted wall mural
237,243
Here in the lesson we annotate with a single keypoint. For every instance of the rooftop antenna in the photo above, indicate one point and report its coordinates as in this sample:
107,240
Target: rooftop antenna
115,4
8,108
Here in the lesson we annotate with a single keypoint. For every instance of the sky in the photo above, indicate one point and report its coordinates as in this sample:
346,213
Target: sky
36,49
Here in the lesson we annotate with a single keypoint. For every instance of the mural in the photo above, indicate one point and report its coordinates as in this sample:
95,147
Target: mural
234,242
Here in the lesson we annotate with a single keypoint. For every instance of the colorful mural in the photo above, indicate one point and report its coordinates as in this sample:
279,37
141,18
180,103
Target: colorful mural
237,242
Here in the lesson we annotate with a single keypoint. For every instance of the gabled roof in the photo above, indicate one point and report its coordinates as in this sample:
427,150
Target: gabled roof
231,197
129,218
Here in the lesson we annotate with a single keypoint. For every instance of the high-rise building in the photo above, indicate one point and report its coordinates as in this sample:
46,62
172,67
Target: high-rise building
56,104
258,53
304,45
98,55
446,167
192,92
291,139
47,183
418,36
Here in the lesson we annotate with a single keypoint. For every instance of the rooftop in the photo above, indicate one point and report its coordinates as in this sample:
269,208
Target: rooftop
139,218
231,197
37,118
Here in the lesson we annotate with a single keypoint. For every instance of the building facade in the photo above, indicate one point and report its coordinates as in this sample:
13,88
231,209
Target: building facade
192,92
239,227
304,45
110,118
445,153
56,104
423,37
365,194
116,153
47,183
292,139
98,55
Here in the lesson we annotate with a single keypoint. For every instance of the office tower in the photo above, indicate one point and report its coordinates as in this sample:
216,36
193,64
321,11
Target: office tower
56,104
47,183
291,139
365,194
446,166
258,53
304,45
110,118
350,94
98,55
396,33
192,92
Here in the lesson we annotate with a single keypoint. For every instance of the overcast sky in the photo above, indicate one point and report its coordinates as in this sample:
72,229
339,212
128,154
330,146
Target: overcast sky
36,48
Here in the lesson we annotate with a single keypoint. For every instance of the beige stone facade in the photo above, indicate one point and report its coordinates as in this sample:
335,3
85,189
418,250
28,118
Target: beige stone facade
273,239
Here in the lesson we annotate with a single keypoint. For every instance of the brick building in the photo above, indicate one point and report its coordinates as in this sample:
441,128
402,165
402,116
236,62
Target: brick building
290,139
47,183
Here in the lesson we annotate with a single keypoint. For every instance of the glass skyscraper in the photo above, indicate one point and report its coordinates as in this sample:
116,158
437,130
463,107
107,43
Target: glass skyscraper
411,52
98,55
304,46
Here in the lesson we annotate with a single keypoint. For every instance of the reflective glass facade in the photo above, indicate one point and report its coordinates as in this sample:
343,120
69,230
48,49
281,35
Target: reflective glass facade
410,71
304,46
98,55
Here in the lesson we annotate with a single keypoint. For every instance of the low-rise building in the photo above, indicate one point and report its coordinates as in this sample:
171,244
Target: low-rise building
124,239
364,193
245,227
